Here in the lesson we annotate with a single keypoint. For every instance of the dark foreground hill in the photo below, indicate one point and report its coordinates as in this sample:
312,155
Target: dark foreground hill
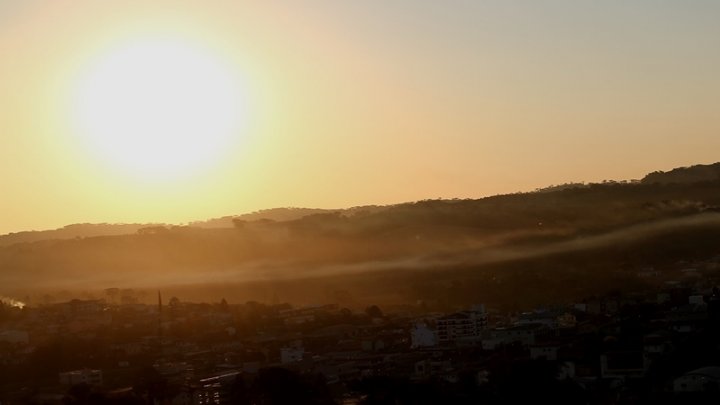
557,244
692,174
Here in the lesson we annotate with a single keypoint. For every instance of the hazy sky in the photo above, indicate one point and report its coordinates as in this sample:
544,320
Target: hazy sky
362,102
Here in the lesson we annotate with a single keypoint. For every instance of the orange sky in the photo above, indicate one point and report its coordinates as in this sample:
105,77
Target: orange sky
353,103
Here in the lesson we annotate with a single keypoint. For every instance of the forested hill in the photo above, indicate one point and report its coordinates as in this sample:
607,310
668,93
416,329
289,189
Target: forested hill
568,209
90,230
692,174
273,214
600,227
71,232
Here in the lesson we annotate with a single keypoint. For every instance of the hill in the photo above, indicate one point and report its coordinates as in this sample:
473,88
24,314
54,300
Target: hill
692,174
580,235
71,232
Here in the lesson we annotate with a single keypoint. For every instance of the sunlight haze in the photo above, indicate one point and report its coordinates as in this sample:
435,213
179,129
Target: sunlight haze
174,111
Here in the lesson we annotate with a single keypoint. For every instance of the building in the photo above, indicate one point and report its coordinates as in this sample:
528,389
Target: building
15,336
84,376
211,390
520,334
291,354
461,326
422,336
547,351
429,368
82,307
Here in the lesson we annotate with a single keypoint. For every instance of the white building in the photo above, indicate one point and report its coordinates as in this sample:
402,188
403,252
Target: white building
465,325
422,336
211,390
85,376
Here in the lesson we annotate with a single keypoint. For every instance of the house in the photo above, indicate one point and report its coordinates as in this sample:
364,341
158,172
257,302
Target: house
372,345
547,351
657,342
430,368
605,305
170,370
648,272
566,320
523,334
696,300
291,354
84,376
687,318
213,390
543,317
465,325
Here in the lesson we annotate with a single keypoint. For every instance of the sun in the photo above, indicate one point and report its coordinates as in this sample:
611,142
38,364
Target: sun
159,108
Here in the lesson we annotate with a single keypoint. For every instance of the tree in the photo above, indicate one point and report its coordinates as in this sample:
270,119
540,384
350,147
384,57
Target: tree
150,384
346,313
153,230
374,311
278,386
239,223
78,394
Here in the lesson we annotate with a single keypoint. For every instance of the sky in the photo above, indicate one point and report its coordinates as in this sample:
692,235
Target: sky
336,104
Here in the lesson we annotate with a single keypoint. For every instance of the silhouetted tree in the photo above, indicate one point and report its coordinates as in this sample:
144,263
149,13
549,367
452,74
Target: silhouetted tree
153,230
151,384
374,311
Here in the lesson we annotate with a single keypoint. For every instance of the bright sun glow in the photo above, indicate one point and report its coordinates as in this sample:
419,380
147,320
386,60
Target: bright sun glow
159,109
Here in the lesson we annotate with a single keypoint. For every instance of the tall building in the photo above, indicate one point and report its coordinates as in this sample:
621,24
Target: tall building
465,325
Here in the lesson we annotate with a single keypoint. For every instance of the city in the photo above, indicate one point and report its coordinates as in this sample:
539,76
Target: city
404,202
621,347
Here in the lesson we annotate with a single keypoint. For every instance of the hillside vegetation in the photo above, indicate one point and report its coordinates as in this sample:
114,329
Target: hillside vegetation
597,227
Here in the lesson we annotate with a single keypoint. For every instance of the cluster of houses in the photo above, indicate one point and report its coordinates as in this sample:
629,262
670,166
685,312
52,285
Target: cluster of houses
202,349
